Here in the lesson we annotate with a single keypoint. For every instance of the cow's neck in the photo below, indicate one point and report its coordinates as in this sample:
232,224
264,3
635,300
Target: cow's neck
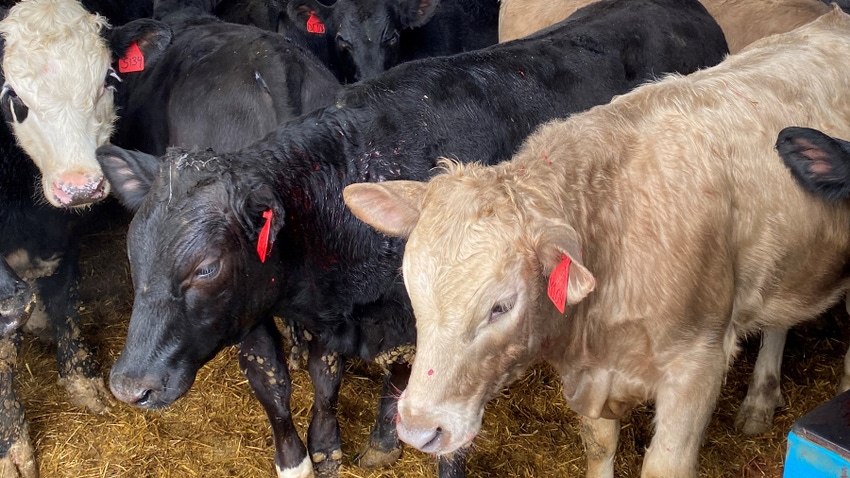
570,178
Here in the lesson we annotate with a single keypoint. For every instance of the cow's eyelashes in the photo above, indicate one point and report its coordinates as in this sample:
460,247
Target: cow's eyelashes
342,43
208,270
112,80
391,40
500,309
13,104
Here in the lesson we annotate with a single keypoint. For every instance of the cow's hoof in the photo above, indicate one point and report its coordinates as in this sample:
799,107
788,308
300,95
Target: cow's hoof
372,455
752,422
327,468
20,461
87,392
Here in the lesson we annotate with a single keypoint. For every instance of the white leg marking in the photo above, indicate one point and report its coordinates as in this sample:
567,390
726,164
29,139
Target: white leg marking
763,395
304,470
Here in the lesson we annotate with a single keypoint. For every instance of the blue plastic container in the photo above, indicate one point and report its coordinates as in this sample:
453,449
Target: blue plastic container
819,442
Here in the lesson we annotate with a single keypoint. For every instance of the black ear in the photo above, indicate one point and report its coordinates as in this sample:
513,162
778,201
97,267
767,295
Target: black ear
299,11
152,36
258,207
130,173
415,13
819,162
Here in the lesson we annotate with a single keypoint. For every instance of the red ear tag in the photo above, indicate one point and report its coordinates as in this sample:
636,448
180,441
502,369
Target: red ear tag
314,25
263,243
133,59
558,283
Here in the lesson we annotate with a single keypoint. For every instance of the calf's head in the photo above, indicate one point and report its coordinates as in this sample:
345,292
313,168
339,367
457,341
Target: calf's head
58,94
475,266
368,32
198,281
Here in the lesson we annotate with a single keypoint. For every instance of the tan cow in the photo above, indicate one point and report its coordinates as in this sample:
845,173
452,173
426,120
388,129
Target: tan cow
743,21
679,226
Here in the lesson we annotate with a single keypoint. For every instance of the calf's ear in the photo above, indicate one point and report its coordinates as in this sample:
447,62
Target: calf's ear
152,37
391,207
555,242
415,13
299,11
819,162
253,210
130,173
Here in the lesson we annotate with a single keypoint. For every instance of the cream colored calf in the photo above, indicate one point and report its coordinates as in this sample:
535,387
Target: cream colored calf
664,223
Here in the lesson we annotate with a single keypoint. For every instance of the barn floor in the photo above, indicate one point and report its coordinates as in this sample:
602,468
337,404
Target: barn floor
219,430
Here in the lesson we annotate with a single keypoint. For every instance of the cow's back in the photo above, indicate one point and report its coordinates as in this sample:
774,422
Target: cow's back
606,50
739,237
220,85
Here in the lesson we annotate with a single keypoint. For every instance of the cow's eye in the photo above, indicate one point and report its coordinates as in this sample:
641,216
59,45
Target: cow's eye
500,309
342,43
208,269
392,39
13,105
112,80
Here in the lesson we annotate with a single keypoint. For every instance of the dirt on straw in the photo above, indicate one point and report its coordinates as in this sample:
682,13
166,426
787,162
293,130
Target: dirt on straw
219,430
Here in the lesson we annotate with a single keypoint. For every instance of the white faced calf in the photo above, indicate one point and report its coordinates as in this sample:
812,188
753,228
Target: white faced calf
57,96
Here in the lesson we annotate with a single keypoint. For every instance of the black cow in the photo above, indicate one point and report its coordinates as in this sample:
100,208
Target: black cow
371,36
210,83
119,12
16,450
222,242
40,244
272,15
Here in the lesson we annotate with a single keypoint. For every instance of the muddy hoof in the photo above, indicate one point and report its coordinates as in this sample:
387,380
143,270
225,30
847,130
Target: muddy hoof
327,468
87,392
373,456
20,461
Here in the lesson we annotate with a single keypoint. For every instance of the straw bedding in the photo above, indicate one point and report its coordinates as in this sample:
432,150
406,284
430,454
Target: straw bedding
219,430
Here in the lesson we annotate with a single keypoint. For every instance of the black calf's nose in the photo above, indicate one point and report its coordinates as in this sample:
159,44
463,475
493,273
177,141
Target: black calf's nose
139,392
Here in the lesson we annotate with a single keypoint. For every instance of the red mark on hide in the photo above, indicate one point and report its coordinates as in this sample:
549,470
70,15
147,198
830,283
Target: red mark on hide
558,283
133,60
263,242
314,25
430,372
522,73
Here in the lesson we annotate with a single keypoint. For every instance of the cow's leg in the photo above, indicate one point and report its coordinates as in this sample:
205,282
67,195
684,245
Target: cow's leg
16,453
323,437
383,447
763,395
263,364
600,437
452,466
684,402
78,372
844,384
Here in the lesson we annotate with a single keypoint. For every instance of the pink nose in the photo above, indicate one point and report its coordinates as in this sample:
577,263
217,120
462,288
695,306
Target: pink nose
76,189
